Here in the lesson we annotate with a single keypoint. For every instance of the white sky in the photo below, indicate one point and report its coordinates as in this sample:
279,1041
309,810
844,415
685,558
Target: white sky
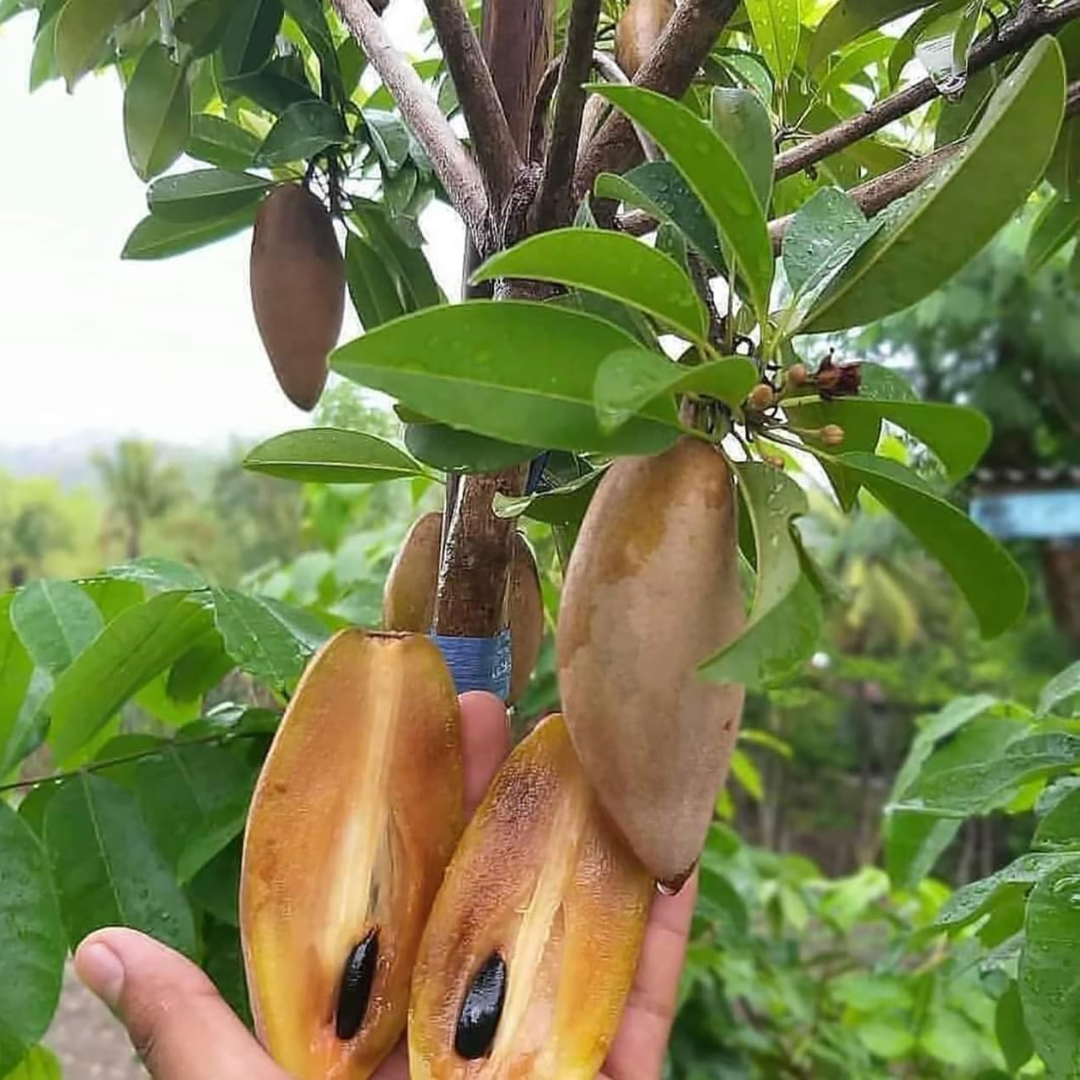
168,349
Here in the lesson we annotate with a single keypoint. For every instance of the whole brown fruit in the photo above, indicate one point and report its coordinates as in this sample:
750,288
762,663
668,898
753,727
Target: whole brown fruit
297,289
652,589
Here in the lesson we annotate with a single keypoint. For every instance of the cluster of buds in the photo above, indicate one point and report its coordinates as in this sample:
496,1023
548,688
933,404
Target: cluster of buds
831,380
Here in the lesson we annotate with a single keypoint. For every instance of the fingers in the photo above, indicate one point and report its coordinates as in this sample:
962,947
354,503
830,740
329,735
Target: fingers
639,1047
486,738
178,1023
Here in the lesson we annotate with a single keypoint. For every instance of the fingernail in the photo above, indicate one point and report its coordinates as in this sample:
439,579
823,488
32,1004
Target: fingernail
101,970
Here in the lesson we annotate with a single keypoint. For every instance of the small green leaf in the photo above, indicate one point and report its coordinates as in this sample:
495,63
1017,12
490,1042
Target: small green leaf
776,31
848,20
716,176
609,263
970,556
907,257
157,112
158,574
205,195
371,286
563,505
331,456
16,671
82,29
403,257
851,67
829,222
311,18
455,451
1059,830
742,121
32,940
1060,688
138,644
271,88
249,37
218,142
156,238
1064,168
389,136
106,866
1055,226
971,902
55,620
303,131
1011,1030
40,1063
516,371
201,25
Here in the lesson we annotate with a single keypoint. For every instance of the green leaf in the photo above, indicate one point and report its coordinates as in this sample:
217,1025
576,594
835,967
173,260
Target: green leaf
851,67
249,37
943,45
609,263
199,670
945,222
389,137
914,843
40,1063
742,121
55,620
1054,227
157,112
82,29
1059,830
517,371
218,142
971,902
311,18
155,238
829,222
201,26
969,556
563,505
1049,973
205,195
32,940
659,189
1011,1030
331,456
158,573
849,19
259,639
629,380
107,869
772,500
714,173
16,670
1064,168
455,451
405,261
1060,688
776,31
137,645
271,88
303,131
371,286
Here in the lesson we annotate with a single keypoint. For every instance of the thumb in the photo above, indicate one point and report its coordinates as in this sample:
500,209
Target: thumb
177,1021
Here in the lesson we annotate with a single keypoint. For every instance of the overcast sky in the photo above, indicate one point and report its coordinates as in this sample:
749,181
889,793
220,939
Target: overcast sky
165,349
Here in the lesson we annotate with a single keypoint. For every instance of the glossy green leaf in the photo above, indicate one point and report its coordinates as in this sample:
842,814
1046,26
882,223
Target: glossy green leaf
1064,168
404,260
1061,688
828,222
1055,226
331,456
1049,973
32,940
310,16
272,88
157,112
158,574
302,131
776,31
659,189
205,195
742,121
82,29
40,1063
848,20
16,670
372,289
516,371
107,869
1059,829
249,37
55,620
453,450
714,173
201,26
630,379
772,500
973,901
1011,1030
137,645
221,143
969,556
389,136
906,258
156,238
851,67
609,263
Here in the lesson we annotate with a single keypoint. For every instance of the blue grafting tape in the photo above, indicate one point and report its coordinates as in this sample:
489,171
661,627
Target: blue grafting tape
478,663
536,473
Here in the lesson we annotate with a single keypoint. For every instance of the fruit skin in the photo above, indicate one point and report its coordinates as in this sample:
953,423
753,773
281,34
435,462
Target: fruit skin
638,30
652,589
297,289
355,816
542,878
409,596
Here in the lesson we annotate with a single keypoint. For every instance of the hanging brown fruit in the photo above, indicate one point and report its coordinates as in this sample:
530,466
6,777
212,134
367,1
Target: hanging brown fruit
354,819
652,589
638,30
297,289
533,940
409,596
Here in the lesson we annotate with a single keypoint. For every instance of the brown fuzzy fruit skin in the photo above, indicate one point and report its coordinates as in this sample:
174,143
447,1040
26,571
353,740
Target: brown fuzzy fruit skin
297,289
543,879
638,30
652,590
409,595
355,816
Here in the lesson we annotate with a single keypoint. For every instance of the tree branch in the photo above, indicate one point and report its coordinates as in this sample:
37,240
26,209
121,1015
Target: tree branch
552,206
1030,23
454,167
492,142
689,35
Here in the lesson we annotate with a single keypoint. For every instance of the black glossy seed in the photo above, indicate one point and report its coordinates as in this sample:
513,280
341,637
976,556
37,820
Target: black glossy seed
481,1010
355,992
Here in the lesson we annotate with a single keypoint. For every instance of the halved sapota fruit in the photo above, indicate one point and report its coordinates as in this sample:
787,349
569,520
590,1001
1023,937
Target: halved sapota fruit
297,289
354,819
653,589
532,944
409,596
638,30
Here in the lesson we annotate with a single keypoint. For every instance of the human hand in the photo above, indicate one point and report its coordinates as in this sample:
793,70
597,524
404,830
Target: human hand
183,1030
